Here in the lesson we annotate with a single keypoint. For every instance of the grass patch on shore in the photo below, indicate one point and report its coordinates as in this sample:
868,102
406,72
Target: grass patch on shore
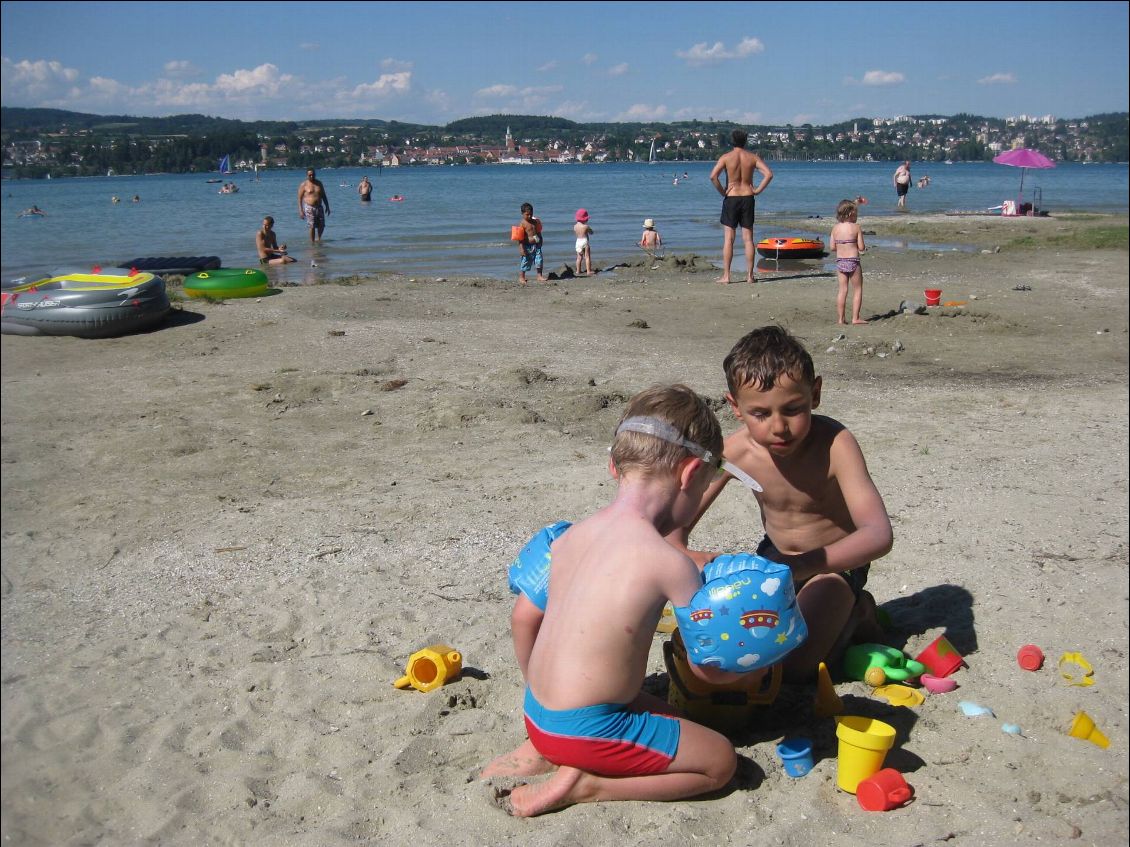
1089,238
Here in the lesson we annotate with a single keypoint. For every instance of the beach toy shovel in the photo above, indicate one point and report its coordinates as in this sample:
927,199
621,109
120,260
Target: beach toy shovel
431,667
864,743
1084,727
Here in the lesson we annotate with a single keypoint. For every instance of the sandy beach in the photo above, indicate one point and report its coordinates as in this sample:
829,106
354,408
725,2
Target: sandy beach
222,540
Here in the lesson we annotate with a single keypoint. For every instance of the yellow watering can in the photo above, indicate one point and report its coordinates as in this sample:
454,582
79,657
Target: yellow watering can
431,667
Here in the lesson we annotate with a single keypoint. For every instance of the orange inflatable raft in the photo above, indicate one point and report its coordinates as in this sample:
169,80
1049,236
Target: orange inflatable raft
791,248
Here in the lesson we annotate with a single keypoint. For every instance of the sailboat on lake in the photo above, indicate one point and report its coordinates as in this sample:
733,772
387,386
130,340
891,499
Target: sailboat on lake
651,160
225,165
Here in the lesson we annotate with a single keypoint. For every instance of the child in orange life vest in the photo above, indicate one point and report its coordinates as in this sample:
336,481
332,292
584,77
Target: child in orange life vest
529,248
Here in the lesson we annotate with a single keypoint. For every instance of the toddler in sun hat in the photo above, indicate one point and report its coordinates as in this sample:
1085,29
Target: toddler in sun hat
582,231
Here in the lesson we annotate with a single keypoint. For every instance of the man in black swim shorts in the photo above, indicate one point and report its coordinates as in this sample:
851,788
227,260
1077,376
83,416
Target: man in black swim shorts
738,199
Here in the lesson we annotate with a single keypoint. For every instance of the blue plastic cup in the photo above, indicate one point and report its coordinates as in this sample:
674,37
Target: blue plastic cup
796,756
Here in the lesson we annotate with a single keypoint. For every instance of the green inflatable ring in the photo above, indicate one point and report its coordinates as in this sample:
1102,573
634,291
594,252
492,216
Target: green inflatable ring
226,283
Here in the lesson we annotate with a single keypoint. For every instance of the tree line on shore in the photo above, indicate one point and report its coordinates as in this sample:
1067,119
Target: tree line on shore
42,142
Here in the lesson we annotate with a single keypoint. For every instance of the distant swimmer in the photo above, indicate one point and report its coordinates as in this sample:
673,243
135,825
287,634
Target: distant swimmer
136,199
34,211
115,199
923,182
396,198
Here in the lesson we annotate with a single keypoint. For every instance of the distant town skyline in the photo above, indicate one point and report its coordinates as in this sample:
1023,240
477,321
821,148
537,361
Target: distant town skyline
431,63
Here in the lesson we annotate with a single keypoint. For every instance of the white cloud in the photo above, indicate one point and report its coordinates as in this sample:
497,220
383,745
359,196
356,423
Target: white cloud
497,91
548,66
643,112
511,97
618,70
26,80
386,84
179,68
391,64
882,78
702,54
998,79
309,46
589,58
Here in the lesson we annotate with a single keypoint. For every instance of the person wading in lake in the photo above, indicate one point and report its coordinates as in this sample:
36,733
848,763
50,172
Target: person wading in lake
313,205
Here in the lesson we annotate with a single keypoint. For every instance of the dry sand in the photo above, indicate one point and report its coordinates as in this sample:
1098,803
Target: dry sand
222,540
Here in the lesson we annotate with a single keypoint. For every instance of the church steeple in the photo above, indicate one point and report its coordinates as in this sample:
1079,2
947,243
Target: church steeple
509,141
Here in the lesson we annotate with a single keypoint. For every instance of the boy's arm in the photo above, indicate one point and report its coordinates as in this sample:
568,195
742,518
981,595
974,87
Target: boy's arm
525,621
766,174
715,174
872,538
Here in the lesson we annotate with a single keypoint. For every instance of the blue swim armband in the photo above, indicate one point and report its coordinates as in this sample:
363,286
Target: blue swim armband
745,617
529,573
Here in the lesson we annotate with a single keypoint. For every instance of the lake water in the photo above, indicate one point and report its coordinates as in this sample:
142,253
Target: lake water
456,220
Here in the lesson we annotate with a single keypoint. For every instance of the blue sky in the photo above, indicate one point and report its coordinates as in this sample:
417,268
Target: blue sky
754,63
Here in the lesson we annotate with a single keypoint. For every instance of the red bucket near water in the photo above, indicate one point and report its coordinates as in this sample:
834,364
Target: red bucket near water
933,296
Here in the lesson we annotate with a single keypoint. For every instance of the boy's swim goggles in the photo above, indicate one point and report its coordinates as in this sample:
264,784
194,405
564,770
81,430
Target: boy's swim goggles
665,432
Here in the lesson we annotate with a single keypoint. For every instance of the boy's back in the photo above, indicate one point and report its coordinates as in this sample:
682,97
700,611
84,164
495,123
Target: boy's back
611,575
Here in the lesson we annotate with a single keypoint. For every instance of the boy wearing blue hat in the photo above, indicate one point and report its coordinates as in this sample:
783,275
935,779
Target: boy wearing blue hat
612,573
823,515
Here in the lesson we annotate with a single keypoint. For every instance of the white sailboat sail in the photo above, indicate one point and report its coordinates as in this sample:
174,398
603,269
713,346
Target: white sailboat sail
225,165
651,155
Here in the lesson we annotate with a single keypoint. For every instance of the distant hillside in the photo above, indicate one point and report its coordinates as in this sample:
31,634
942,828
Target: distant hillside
524,125
21,120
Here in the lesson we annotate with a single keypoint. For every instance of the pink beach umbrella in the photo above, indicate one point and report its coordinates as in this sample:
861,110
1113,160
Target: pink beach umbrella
1023,158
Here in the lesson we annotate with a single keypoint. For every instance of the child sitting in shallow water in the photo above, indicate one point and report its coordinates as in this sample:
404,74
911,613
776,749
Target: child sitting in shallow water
651,240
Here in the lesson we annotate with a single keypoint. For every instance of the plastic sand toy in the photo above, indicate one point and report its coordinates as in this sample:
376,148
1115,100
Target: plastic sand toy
900,695
827,702
875,664
431,667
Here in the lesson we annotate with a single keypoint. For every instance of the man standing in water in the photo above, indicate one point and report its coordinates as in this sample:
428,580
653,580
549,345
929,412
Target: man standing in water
313,205
738,199
365,189
902,183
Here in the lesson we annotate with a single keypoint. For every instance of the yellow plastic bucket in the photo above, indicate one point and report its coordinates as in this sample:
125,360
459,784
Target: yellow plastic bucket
864,743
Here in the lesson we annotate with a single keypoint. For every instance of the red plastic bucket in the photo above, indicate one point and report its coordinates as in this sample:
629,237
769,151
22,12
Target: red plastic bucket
933,296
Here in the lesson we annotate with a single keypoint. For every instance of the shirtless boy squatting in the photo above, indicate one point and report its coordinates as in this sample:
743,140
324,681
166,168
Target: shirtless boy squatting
822,513
583,675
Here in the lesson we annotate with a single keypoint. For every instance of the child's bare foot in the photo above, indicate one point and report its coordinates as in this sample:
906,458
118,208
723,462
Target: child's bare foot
555,793
841,323
724,281
524,761
542,279
858,322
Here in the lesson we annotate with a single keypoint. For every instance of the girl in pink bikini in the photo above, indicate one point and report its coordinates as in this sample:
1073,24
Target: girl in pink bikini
847,241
